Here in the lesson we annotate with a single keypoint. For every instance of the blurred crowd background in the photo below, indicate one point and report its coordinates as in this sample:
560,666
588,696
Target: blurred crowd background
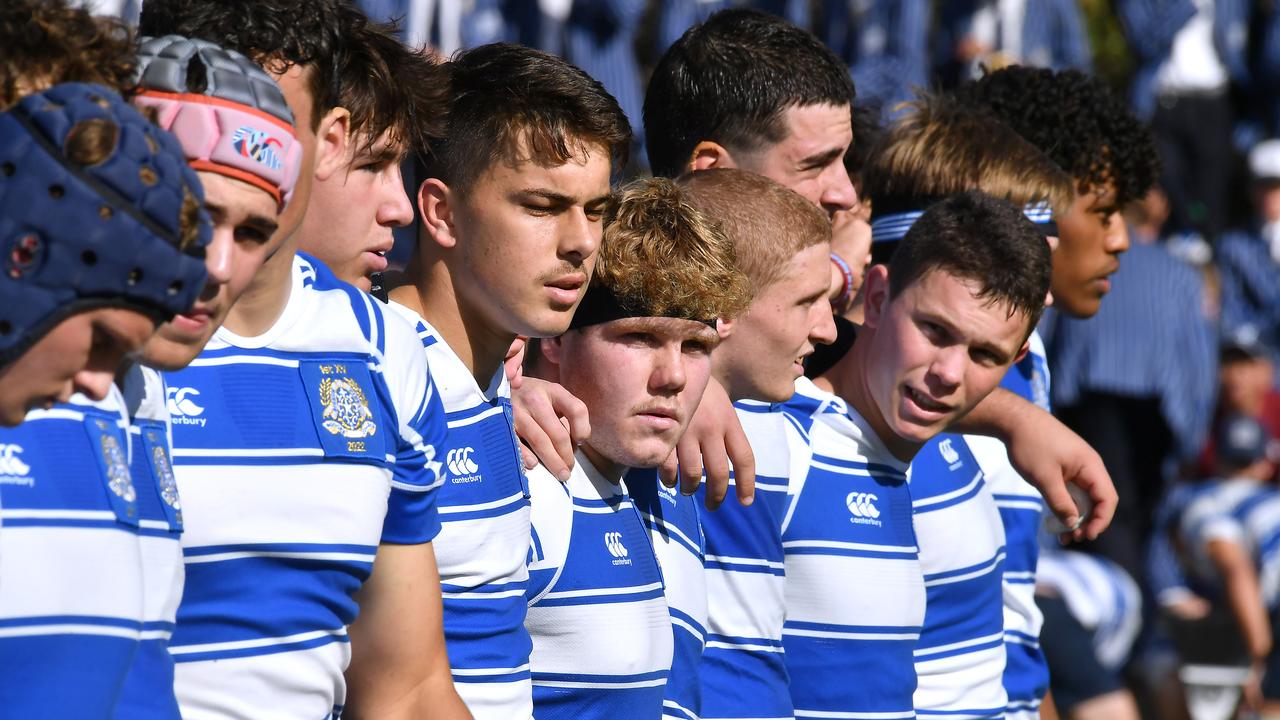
1191,330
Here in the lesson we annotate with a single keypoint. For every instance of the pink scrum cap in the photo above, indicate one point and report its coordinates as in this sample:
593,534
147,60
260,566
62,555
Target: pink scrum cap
229,115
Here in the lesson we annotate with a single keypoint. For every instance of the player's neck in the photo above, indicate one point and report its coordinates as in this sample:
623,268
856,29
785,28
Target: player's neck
431,294
848,380
608,469
264,301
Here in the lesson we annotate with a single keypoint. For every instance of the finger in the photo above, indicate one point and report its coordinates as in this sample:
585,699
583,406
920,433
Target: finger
715,461
689,456
744,464
528,457
539,434
667,471
1060,503
574,411
557,437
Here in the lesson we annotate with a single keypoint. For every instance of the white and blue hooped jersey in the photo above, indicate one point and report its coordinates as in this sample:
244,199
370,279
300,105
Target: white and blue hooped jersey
484,537
743,672
602,640
1026,675
1100,595
73,610
1241,511
297,453
148,690
961,656
675,530
855,592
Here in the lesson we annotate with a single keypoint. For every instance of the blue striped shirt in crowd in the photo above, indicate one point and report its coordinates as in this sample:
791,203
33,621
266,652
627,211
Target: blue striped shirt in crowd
1250,277
1241,511
1026,674
74,607
1100,595
484,536
960,660
297,452
855,592
743,672
602,639
1150,339
675,531
148,690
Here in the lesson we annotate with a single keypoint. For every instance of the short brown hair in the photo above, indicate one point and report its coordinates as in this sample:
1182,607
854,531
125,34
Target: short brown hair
506,94
778,224
941,147
47,42
387,87
661,257
980,238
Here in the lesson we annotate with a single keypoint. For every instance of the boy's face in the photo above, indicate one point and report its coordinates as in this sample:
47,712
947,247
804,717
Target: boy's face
526,236
1092,236
80,354
354,210
763,354
244,236
936,350
810,158
641,380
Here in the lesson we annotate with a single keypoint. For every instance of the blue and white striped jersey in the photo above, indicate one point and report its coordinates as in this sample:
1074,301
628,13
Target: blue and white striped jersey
484,537
148,690
1239,510
960,658
602,641
855,592
743,672
72,612
1026,675
1100,595
297,453
675,531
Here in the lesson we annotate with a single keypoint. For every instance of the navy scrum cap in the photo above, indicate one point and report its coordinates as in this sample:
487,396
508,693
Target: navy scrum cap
98,208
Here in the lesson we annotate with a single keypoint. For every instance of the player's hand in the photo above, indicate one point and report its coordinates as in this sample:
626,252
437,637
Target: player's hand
1051,457
513,363
1188,607
550,423
712,443
851,241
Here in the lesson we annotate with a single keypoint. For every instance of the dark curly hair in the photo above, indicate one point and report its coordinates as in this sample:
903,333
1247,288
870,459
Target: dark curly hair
47,42
1075,120
276,33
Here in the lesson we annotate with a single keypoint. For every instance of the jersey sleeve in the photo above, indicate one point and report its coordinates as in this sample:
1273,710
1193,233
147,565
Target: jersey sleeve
417,475
551,514
1204,521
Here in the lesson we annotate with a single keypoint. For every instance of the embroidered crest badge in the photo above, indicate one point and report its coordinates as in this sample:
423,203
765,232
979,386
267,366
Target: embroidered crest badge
164,475
117,464
346,411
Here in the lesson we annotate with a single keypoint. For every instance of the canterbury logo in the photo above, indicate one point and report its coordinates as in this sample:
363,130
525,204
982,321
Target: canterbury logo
460,462
183,410
613,541
862,505
10,463
948,453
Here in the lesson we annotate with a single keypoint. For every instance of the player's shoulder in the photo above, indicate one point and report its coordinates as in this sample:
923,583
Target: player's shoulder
144,393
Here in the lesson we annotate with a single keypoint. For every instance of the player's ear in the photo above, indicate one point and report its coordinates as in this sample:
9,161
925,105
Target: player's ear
876,289
724,327
552,350
435,209
708,154
332,142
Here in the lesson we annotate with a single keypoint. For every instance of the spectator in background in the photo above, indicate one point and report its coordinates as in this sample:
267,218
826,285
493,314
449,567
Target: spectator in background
883,42
600,38
1246,386
1249,260
973,34
1189,54
676,16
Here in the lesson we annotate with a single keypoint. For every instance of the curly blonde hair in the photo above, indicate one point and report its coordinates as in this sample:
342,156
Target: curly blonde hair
48,42
661,257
